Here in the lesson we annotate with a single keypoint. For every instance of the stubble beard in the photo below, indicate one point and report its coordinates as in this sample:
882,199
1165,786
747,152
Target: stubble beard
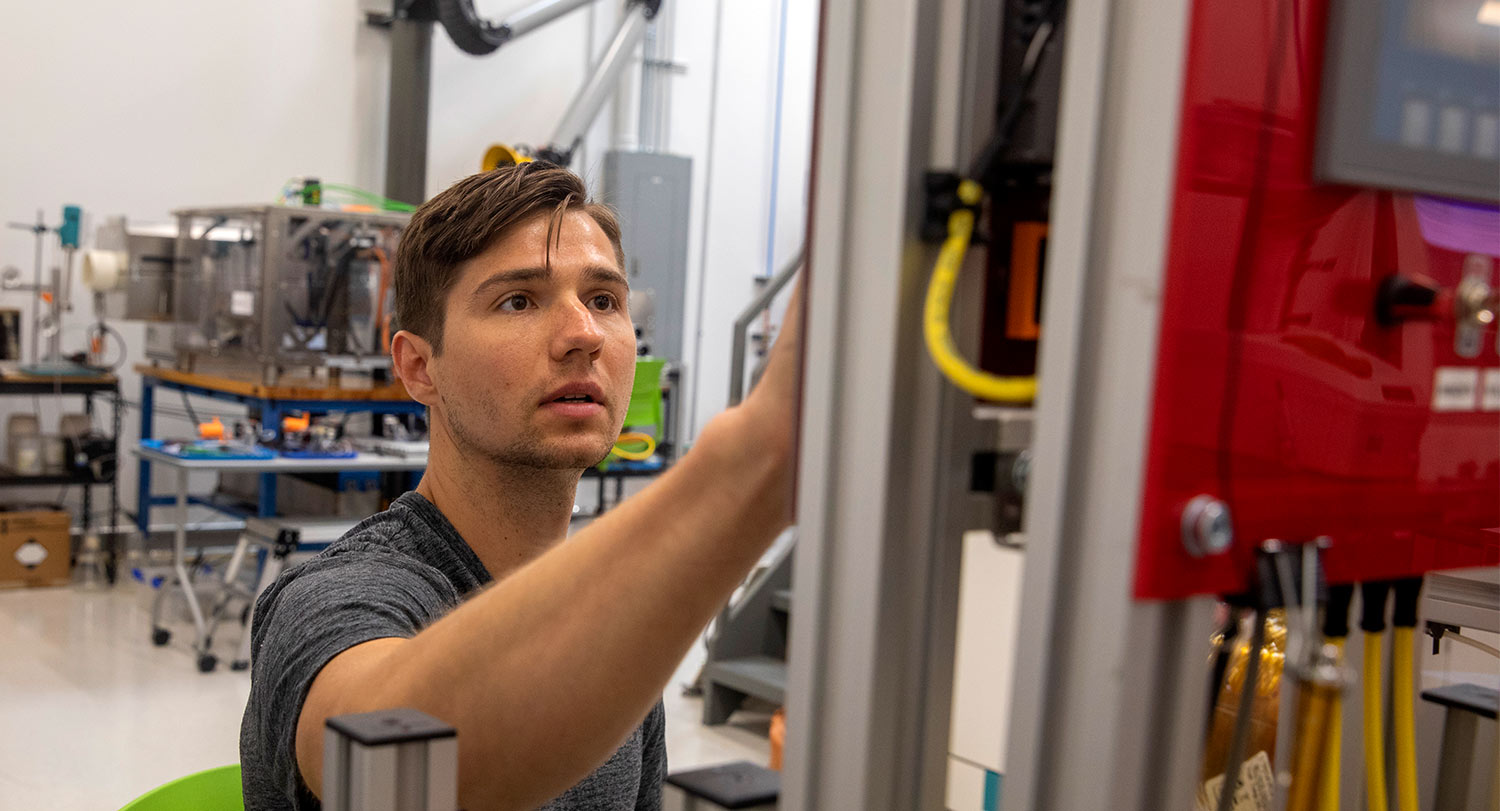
527,450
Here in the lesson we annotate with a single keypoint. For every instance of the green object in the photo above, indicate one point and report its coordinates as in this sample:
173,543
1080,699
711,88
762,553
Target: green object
644,414
312,192
645,398
211,790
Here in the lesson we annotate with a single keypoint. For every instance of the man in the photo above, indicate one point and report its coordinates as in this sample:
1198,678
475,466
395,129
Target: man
462,600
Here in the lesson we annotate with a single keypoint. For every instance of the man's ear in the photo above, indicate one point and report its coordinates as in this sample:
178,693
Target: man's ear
411,355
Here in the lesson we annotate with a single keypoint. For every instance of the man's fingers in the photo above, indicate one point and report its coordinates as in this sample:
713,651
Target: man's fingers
781,367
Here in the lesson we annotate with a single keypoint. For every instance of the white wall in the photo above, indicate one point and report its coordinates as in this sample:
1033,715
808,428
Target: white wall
737,201
138,108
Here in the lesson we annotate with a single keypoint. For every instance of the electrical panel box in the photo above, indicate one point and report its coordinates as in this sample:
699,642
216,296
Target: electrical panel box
1318,370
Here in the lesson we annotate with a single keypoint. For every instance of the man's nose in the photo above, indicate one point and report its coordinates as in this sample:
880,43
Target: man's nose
576,329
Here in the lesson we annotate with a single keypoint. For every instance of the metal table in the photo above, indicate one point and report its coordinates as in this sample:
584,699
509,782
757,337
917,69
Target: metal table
203,640
272,403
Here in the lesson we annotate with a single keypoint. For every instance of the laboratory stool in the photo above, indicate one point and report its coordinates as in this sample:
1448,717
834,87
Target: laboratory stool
737,785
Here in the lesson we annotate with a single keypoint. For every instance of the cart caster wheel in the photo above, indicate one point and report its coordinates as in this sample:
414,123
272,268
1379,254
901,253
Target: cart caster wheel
160,636
207,662
239,664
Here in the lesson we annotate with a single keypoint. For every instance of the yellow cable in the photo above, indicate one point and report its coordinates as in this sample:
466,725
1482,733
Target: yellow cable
1403,698
635,456
936,312
1374,731
1309,749
1328,776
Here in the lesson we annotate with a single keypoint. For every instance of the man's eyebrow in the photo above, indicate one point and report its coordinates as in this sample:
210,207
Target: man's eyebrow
598,274
516,276
605,275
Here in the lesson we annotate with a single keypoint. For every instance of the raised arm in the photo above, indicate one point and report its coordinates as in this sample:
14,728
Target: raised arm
546,673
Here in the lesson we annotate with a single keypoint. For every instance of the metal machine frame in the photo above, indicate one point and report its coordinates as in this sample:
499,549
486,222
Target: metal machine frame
273,233
885,442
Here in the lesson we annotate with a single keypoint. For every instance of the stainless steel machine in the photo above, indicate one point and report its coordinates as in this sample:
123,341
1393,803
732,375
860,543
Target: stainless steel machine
257,290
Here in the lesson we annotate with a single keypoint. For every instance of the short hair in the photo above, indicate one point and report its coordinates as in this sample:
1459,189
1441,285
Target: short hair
466,219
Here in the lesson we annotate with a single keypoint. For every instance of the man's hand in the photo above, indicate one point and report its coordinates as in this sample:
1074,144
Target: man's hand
765,424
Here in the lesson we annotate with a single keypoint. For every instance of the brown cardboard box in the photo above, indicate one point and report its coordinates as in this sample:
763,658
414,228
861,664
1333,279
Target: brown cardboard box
34,548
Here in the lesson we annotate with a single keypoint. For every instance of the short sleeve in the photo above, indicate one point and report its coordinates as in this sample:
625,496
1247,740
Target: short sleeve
653,760
310,615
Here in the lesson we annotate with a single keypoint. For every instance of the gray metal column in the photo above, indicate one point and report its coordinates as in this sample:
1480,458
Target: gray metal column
1108,705
881,468
389,760
407,117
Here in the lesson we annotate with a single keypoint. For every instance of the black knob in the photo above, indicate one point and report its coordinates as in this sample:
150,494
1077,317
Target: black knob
1402,298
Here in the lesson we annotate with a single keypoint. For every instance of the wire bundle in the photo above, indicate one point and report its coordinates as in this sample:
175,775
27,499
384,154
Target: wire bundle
354,196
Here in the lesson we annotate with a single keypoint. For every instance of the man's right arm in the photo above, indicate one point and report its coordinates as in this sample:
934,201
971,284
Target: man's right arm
547,672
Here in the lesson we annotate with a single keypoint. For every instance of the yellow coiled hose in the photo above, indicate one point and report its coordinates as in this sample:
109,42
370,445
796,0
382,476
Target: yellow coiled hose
938,307
637,455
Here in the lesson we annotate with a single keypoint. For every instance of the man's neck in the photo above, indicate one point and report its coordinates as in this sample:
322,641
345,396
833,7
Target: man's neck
507,514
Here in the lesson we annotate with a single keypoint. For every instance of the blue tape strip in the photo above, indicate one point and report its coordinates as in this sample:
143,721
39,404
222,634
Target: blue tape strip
991,791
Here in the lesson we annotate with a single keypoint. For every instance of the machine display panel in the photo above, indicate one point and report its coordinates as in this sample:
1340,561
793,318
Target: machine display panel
1411,97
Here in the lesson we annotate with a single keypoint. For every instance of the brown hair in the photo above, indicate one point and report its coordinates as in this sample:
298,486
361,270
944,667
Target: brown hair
466,219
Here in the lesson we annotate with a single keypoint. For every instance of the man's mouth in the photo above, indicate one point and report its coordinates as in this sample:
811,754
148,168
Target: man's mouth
581,400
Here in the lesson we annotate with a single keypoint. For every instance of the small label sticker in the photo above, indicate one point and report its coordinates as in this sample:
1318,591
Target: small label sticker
242,303
31,554
1491,398
1255,790
1455,389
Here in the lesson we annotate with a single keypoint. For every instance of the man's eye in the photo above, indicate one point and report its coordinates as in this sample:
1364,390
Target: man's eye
604,302
515,303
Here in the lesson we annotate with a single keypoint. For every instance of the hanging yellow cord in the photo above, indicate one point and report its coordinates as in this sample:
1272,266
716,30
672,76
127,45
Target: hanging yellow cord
1328,776
936,313
1374,731
1403,701
635,455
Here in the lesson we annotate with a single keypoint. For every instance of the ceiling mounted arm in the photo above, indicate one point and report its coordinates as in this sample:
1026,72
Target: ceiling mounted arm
475,35
601,82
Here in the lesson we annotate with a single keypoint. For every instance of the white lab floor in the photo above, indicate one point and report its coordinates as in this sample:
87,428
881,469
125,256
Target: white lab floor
92,715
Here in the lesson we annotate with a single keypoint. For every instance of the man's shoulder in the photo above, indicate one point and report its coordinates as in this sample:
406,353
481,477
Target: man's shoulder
392,531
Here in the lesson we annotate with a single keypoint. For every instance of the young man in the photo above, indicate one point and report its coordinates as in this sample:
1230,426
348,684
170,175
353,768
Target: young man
463,600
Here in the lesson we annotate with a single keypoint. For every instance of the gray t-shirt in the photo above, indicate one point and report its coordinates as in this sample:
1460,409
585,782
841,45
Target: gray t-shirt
393,575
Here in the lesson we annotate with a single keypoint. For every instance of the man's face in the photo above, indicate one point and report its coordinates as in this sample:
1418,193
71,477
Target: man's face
537,363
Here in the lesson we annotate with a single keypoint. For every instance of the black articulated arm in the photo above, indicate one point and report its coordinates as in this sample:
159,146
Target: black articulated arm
470,32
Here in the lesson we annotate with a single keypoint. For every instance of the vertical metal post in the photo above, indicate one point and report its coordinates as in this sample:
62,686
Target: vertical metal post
143,468
1108,705
407,117
36,288
88,486
270,415
114,484
871,653
391,760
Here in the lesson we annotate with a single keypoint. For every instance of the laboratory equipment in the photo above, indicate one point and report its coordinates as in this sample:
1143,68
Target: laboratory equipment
260,289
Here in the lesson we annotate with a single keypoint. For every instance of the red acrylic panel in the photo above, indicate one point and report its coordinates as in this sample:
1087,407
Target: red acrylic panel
1276,391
